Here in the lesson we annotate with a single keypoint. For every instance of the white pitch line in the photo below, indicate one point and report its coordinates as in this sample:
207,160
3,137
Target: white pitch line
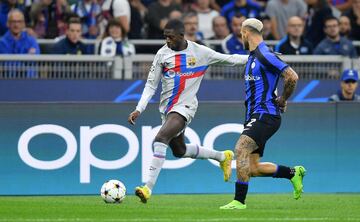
184,220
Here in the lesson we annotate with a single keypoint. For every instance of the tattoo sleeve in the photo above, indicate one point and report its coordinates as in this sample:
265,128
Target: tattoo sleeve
244,147
290,80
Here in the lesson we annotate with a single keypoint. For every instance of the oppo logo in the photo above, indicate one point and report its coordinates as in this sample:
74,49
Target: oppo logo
88,160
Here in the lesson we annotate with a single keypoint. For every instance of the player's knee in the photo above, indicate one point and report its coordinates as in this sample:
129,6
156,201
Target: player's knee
239,150
161,138
254,170
243,176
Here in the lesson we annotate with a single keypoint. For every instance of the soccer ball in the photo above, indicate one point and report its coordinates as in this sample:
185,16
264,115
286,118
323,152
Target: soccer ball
113,191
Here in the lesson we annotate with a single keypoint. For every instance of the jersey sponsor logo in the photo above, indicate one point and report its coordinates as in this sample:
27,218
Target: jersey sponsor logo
252,78
171,73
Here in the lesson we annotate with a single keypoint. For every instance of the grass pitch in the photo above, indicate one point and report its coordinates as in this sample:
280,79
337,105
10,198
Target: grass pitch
184,208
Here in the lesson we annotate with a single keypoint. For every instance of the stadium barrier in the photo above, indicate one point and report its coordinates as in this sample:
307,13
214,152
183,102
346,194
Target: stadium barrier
136,67
69,148
47,43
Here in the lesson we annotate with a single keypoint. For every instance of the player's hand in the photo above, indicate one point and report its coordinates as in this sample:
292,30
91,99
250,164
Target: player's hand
133,116
282,103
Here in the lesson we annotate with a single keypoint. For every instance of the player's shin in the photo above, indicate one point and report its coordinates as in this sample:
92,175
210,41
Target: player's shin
241,189
156,163
198,152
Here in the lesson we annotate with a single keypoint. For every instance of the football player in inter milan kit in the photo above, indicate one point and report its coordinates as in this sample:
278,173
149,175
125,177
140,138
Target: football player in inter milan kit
180,65
263,108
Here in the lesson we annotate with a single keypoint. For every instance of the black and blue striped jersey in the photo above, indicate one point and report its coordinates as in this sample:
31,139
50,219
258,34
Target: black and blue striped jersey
262,73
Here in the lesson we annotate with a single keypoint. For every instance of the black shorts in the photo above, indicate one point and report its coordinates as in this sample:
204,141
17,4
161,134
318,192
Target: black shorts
260,127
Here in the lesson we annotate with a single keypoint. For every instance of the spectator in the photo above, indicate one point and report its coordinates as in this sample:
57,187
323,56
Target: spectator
117,9
191,24
18,41
205,15
334,44
348,86
48,18
318,10
345,26
294,43
71,44
137,11
354,15
5,7
157,17
221,30
15,40
280,11
88,11
248,8
114,42
267,26
232,44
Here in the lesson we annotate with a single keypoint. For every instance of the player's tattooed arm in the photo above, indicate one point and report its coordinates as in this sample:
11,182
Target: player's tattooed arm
244,147
290,80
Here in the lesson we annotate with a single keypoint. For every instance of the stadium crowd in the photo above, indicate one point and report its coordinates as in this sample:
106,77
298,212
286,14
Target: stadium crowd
325,27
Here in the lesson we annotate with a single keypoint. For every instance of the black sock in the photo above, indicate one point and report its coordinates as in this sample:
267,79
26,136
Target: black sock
284,172
241,189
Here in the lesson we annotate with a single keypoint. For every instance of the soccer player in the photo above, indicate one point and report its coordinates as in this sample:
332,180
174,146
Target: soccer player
180,65
263,108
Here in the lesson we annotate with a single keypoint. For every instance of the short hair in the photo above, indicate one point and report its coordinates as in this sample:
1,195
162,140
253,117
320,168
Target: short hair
238,15
330,17
263,16
74,20
189,14
13,11
176,25
253,30
218,18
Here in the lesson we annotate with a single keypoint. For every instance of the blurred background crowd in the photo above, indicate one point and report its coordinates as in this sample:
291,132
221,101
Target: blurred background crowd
321,27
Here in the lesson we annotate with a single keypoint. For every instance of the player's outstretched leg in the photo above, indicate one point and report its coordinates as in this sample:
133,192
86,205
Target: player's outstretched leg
297,181
143,192
224,157
225,165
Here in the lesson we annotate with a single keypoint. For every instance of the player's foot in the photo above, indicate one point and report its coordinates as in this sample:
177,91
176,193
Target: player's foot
297,181
234,205
225,165
143,192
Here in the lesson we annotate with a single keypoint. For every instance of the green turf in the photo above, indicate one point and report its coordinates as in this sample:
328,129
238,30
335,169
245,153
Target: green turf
184,208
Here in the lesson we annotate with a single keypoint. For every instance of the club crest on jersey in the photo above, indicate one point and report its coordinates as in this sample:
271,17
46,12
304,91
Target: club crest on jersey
191,61
152,68
253,64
